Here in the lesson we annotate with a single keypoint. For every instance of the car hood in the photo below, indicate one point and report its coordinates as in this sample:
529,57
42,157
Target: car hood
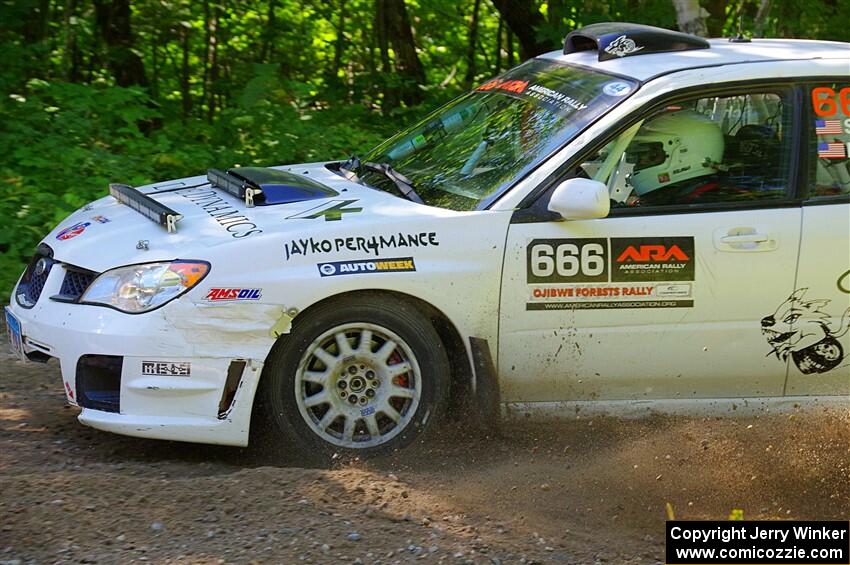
106,234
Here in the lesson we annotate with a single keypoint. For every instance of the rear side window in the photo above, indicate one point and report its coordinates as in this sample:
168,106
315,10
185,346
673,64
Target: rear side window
829,139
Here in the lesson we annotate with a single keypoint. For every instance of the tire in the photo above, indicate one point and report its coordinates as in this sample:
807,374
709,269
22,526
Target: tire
356,379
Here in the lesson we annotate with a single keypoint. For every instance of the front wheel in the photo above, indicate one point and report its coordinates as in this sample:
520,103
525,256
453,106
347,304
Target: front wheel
355,380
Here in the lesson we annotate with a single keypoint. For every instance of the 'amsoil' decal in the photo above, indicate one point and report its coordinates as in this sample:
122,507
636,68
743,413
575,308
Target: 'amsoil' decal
230,294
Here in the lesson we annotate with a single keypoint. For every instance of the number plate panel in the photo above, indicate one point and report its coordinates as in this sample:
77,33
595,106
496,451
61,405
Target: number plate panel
16,340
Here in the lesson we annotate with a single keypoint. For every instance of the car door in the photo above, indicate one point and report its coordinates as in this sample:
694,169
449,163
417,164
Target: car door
813,322
664,297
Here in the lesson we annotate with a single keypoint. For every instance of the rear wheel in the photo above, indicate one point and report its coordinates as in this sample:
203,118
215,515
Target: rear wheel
355,380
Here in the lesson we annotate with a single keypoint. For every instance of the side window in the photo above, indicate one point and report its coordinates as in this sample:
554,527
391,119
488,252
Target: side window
715,149
829,140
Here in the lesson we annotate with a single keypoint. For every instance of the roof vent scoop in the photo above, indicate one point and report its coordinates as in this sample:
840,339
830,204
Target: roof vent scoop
618,39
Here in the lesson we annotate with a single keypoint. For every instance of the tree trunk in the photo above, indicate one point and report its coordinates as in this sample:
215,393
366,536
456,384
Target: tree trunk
185,95
212,49
35,22
407,60
690,17
205,84
113,22
509,49
392,25
268,33
391,94
761,18
716,17
155,65
523,18
499,29
555,12
472,41
339,44
70,54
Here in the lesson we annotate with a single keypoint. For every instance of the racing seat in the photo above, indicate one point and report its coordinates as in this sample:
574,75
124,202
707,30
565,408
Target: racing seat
753,159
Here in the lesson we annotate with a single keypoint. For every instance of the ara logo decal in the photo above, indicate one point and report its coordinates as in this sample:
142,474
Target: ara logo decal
72,231
517,86
802,330
622,46
641,259
231,294
647,253
331,211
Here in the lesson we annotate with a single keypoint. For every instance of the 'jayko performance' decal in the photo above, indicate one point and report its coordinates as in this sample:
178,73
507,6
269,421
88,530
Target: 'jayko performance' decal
606,273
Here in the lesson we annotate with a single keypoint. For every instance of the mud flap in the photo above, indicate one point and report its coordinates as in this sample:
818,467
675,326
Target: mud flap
484,411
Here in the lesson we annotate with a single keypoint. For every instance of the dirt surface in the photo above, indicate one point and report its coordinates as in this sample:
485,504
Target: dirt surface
579,491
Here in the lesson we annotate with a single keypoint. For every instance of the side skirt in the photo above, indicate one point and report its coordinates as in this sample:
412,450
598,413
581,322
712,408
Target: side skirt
727,407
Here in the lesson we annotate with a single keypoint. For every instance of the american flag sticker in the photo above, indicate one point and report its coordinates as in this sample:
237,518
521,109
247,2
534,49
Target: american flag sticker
828,127
832,150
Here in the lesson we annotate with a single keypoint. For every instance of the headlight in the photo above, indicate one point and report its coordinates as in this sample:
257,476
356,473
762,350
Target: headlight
140,288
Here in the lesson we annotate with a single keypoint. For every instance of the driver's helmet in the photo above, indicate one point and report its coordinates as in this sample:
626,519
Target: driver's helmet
674,147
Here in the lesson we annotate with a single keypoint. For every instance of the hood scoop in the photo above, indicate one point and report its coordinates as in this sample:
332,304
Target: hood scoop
261,186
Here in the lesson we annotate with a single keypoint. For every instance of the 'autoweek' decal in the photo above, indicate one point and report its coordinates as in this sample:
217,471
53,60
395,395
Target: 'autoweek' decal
337,268
607,273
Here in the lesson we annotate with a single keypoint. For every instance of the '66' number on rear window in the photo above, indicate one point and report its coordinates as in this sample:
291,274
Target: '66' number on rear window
567,260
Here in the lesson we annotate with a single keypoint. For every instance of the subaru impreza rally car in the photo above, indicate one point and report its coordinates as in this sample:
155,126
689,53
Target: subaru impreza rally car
643,217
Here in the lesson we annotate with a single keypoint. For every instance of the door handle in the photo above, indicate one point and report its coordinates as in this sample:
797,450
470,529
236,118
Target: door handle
745,238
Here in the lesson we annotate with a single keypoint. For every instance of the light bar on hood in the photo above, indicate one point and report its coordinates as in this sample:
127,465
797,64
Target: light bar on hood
146,206
234,183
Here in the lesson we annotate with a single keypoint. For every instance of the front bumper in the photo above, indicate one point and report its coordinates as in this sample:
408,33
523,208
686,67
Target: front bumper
165,374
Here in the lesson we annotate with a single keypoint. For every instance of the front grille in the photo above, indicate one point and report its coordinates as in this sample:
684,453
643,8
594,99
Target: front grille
99,382
32,283
75,283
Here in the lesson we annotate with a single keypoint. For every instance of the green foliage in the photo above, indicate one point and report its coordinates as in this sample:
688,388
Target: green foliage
63,143
257,82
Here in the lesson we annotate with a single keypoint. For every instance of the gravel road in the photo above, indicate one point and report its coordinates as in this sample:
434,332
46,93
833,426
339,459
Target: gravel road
589,490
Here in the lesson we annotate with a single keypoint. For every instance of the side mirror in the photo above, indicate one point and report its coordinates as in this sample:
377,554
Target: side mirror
580,199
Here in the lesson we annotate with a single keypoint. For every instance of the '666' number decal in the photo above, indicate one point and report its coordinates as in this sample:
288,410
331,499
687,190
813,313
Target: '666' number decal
567,260
827,102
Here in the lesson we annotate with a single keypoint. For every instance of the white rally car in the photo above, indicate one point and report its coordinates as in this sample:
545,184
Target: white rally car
645,217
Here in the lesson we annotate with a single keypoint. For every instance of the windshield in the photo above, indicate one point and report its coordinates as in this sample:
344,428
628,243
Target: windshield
477,144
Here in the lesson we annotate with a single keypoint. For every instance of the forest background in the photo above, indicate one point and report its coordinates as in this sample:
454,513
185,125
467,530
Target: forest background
99,91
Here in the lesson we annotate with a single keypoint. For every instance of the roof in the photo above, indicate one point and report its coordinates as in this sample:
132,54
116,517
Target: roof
721,52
